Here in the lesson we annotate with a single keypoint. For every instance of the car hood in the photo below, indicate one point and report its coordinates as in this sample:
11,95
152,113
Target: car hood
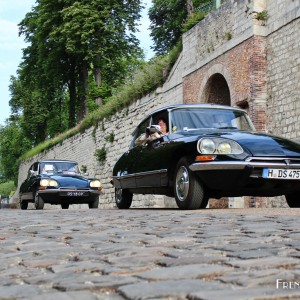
262,144
71,181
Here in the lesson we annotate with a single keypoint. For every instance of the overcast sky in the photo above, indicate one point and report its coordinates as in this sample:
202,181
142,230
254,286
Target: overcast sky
11,45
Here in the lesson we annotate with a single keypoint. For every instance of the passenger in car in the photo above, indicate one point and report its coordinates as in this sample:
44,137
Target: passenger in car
146,137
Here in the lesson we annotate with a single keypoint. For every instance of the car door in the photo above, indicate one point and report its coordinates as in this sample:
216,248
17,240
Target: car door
147,168
125,167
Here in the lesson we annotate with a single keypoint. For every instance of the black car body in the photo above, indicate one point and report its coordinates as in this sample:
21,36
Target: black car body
210,151
58,182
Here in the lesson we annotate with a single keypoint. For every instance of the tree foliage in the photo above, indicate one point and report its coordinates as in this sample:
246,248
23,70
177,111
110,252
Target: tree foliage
6,188
167,18
77,53
13,144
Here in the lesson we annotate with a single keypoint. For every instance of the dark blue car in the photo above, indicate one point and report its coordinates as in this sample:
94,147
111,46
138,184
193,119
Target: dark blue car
58,182
210,151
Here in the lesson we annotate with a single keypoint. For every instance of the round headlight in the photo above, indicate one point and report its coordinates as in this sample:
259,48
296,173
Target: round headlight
53,183
95,184
44,182
207,146
224,148
48,182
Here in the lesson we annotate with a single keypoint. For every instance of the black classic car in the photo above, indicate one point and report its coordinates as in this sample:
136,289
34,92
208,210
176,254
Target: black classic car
58,182
210,151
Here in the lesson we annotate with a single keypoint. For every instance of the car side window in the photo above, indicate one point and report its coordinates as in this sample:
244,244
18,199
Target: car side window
35,167
31,171
140,132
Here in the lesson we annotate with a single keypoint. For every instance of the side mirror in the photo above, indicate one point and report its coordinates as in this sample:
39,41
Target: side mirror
153,129
32,173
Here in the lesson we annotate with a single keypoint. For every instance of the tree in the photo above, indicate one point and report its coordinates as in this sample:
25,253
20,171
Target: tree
167,18
6,188
13,144
98,33
75,38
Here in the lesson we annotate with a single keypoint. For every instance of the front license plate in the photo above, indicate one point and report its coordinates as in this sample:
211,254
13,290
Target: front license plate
74,194
281,173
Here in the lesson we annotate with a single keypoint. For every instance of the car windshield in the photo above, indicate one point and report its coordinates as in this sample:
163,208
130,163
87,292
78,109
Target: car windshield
189,119
51,168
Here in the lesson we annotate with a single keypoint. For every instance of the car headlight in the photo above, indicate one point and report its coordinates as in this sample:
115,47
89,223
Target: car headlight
224,148
207,146
48,182
95,184
218,146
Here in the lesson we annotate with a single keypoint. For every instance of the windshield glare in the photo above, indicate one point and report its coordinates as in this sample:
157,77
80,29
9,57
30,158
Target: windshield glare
205,118
51,168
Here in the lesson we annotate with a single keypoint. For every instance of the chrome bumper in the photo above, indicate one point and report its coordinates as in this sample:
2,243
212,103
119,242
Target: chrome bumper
260,162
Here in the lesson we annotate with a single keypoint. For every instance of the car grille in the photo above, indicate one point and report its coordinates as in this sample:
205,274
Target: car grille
286,160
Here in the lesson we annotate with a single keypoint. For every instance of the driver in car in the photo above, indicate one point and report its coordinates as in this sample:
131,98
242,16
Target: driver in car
146,137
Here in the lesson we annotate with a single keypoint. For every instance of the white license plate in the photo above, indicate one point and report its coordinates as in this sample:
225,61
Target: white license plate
73,194
281,173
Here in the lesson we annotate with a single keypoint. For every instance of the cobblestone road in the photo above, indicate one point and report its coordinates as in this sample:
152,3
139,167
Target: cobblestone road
150,254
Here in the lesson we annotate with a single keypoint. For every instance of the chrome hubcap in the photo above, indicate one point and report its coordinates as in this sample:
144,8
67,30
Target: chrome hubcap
118,195
182,183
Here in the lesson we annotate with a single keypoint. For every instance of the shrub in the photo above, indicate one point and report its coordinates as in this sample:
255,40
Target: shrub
6,188
101,154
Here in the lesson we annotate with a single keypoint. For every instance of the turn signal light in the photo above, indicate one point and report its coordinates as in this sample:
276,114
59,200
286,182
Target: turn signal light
205,157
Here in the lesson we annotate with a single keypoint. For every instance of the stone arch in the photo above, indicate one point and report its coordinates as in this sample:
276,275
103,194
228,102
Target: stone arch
216,86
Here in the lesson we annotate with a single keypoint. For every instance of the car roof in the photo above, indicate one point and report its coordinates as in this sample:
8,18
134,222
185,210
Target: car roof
180,106
200,105
56,160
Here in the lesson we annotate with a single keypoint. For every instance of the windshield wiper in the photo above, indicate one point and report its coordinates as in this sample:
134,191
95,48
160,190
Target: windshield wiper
227,127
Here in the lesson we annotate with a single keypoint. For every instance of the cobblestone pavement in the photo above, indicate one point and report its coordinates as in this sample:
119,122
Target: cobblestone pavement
150,254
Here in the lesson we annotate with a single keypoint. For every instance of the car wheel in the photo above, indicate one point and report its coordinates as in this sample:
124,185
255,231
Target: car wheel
188,191
123,198
24,204
38,202
293,200
65,205
94,204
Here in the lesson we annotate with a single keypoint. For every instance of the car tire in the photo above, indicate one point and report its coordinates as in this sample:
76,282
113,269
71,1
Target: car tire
23,204
188,191
123,198
293,200
65,206
94,204
38,202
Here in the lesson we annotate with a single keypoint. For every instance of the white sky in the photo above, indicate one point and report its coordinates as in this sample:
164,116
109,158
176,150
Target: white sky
11,45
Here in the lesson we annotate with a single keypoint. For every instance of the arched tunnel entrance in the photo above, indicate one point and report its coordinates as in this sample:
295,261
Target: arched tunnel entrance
217,91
